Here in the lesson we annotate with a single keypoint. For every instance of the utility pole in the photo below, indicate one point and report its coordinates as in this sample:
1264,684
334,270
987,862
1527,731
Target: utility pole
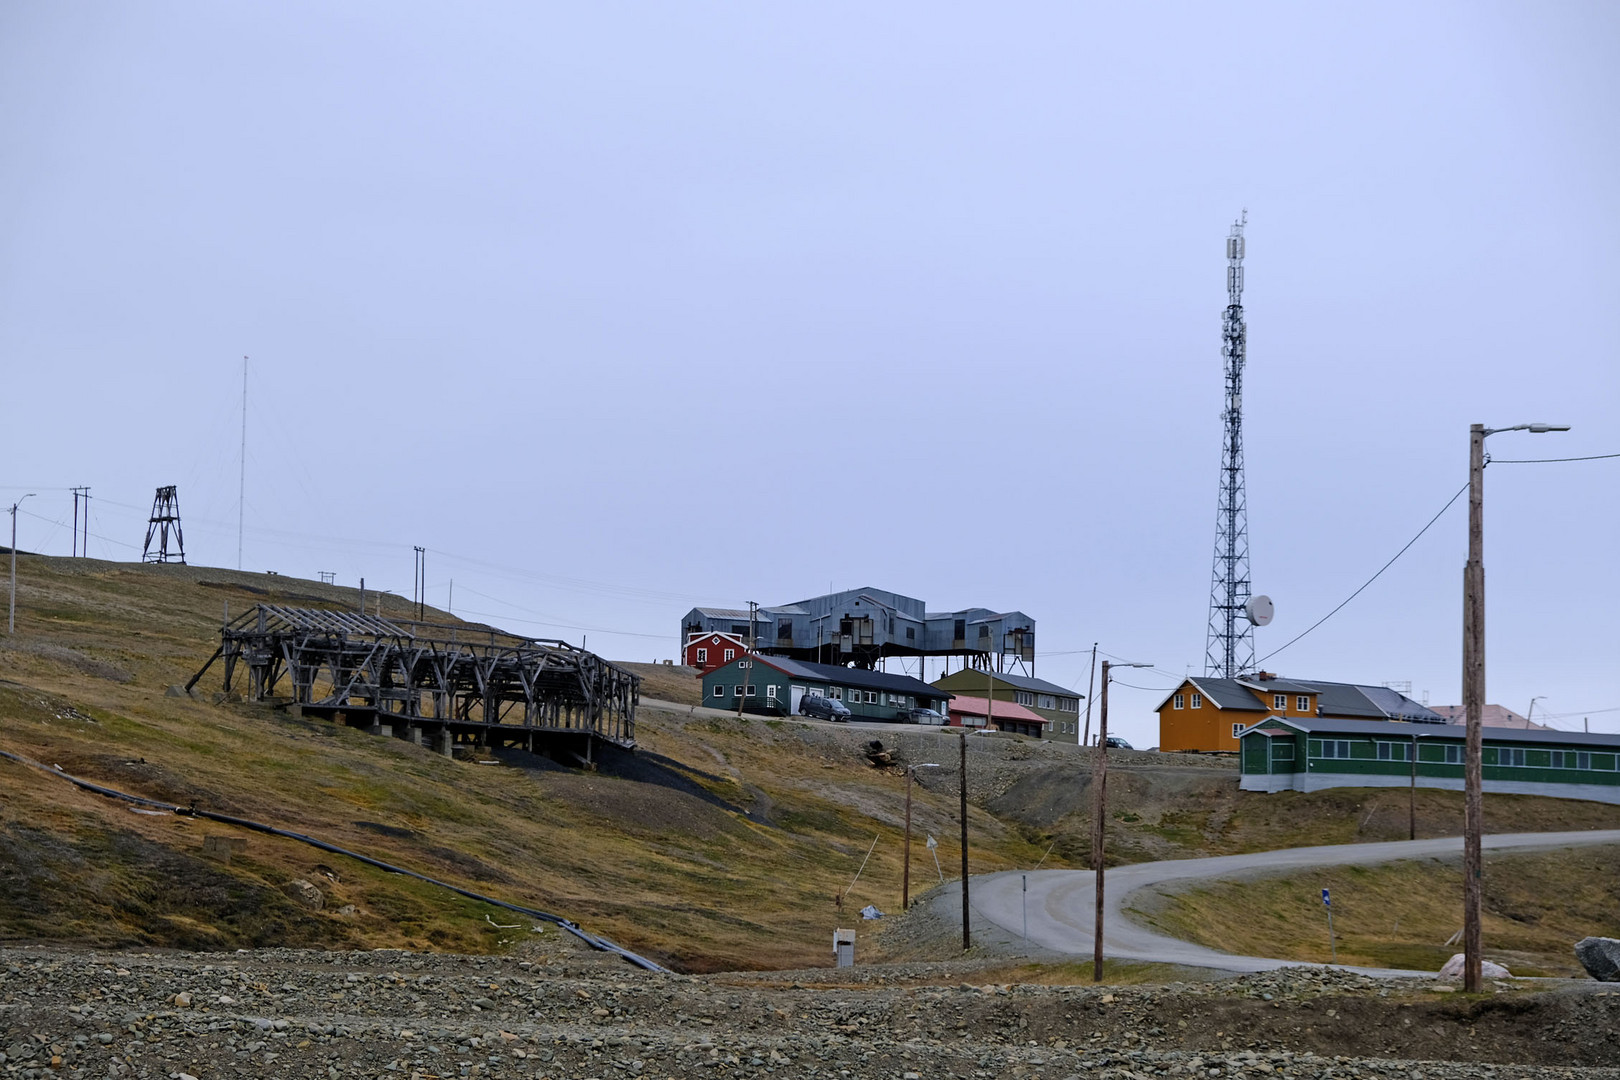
1099,813
11,612
241,480
967,938
81,493
905,874
1091,683
419,583
1474,697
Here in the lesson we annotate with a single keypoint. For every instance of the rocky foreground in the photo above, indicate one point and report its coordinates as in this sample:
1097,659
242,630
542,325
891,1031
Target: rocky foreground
556,1010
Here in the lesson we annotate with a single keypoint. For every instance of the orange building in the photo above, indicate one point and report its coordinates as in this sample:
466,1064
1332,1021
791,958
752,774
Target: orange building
1206,714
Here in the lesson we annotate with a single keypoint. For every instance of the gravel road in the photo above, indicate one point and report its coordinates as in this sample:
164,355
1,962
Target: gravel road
1061,904
555,1010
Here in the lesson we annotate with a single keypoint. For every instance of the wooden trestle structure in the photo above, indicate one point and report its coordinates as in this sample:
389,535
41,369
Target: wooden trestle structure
432,684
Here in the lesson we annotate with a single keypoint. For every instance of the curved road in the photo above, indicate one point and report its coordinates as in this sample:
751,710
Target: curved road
1062,903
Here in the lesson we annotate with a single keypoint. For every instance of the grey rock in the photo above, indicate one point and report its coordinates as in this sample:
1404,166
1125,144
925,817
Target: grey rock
305,893
1600,956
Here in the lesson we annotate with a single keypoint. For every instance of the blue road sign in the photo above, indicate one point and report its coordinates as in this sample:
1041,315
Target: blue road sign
1325,901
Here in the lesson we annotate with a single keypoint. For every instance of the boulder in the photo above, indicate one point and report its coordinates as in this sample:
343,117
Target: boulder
305,893
1600,956
1487,969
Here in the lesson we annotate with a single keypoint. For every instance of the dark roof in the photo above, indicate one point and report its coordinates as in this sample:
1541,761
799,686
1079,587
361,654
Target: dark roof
852,677
1027,682
1397,729
1225,694
1280,686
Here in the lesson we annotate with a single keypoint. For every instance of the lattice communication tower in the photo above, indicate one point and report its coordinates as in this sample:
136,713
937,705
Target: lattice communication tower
1230,648
165,520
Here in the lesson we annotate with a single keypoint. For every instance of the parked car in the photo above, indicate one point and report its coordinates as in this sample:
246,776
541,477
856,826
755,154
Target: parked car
1119,744
921,716
823,708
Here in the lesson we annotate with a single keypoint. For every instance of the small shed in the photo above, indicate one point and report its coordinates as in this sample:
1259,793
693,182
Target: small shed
975,712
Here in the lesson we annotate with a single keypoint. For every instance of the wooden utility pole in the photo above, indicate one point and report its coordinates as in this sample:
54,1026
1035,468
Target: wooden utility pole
967,939
1099,810
1473,703
1091,683
905,873
1411,802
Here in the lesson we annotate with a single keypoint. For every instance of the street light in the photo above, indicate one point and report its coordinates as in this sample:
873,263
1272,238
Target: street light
1099,787
1474,692
905,874
11,613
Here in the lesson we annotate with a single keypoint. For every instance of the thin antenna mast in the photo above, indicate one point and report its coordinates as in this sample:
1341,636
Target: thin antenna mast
1230,647
241,483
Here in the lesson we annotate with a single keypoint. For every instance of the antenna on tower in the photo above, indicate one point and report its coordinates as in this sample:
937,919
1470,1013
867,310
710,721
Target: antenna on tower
165,516
1230,647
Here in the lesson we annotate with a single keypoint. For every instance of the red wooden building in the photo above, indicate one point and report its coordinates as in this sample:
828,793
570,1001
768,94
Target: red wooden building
709,651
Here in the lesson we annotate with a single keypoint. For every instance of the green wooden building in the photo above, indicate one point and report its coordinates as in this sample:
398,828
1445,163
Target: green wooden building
774,685
1308,754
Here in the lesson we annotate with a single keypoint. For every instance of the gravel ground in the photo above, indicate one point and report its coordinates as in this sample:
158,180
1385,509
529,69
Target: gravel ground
554,1009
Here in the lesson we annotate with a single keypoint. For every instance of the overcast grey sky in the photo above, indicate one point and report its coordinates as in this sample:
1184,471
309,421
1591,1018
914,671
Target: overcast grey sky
622,308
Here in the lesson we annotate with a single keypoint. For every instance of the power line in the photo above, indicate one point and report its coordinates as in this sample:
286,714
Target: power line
1547,460
1369,581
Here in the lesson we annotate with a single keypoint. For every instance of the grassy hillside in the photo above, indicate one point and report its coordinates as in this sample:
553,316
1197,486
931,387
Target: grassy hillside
720,843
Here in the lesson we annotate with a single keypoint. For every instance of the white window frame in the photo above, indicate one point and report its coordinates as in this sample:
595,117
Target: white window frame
1023,697
770,692
1235,729
1393,751
731,654
1510,756
1302,703
736,690
1331,748
1197,700
703,656
834,693
752,691
719,691
871,697
1561,759
1179,701
1279,702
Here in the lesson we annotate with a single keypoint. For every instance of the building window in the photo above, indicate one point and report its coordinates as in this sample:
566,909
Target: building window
871,697
1571,759
1279,702
1302,703
1511,755
703,656
911,633
731,654
1282,751
751,692
1046,701
1388,751
1336,748
770,692
1068,704
1453,755
737,691
1198,701
719,691
837,694
1235,729
1180,701
1023,697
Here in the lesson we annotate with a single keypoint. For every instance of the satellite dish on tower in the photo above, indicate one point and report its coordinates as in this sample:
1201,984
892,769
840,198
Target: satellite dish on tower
1259,610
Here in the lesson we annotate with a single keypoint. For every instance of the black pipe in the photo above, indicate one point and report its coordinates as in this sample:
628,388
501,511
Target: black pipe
592,940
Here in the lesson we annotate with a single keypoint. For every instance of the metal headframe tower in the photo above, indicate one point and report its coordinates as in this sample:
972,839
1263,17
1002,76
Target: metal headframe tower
1230,648
165,517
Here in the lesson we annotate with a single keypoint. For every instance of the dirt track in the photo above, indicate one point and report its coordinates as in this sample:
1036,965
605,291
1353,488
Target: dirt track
555,1010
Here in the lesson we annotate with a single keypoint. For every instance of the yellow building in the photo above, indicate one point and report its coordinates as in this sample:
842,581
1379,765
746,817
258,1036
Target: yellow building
1205,714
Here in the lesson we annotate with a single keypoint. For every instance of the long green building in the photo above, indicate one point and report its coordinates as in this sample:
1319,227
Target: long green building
1307,754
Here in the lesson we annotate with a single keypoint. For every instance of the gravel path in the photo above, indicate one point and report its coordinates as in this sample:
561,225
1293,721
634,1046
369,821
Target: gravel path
555,1011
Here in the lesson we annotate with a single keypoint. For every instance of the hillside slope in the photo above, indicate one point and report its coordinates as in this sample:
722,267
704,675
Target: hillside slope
719,844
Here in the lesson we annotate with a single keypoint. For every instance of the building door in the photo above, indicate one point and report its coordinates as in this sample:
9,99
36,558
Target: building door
797,695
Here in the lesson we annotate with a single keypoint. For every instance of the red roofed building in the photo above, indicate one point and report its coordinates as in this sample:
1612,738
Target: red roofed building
709,651
972,712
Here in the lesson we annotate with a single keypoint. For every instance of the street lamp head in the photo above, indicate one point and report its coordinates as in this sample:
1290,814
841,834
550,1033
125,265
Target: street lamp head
1541,429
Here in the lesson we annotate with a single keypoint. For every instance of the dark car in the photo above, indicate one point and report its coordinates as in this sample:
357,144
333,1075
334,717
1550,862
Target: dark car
823,708
1119,744
922,716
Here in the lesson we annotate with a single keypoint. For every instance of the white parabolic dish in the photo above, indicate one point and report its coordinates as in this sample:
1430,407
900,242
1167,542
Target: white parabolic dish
1259,610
